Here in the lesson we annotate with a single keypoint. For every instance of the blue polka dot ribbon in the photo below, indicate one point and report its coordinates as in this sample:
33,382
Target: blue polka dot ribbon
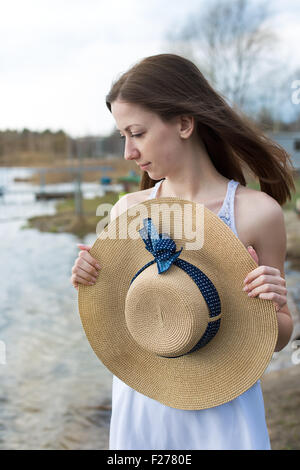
163,248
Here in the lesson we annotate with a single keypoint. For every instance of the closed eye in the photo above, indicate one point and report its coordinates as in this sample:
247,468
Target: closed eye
133,135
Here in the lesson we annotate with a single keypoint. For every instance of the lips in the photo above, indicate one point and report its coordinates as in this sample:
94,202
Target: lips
144,165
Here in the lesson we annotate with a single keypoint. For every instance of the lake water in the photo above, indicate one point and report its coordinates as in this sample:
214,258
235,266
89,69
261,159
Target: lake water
55,393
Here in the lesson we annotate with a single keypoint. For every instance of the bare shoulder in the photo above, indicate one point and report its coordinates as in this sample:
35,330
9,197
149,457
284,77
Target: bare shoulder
253,211
139,196
256,196
262,203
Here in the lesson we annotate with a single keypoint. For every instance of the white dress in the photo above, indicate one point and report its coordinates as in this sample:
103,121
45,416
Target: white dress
139,422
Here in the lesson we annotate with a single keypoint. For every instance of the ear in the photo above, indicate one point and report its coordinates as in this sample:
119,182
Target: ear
186,126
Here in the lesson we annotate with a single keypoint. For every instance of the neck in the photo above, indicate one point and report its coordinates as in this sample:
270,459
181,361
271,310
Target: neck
196,179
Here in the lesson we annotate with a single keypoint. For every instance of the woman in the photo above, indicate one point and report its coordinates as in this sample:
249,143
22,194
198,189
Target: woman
189,143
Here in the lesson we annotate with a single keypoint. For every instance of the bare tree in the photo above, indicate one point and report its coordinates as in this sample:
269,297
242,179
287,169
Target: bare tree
274,95
229,40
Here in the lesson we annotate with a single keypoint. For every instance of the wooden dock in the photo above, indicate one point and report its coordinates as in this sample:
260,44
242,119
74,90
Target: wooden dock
47,195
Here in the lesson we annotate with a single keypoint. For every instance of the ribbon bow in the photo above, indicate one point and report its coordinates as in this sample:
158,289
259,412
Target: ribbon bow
162,247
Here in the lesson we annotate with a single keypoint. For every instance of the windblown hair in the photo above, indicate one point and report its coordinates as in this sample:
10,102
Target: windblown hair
171,85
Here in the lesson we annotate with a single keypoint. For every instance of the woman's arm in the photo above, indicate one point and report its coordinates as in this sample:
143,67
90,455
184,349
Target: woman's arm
285,327
268,280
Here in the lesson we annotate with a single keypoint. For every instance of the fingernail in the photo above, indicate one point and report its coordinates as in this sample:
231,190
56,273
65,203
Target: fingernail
97,266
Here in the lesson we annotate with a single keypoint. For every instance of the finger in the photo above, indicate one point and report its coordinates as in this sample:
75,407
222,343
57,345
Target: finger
253,253
88,276
85,266
276,306
84,247
83,280
85,257
261,270
268,288
75,284
277,298
264,279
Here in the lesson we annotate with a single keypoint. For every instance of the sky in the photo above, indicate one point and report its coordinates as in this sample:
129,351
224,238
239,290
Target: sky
58,59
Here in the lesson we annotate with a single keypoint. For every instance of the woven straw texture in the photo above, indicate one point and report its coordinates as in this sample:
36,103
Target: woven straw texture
218,372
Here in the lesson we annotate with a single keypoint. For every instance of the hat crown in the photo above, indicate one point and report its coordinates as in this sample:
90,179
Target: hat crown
165,317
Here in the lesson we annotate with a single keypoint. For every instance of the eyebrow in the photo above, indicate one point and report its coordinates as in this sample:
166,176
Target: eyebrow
128,127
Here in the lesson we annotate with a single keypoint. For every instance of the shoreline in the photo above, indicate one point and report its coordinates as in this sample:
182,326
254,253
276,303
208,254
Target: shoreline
65,220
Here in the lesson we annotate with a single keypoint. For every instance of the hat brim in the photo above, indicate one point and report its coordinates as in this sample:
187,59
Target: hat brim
218,372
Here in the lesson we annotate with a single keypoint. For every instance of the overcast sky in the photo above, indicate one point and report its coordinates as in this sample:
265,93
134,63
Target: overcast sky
58,58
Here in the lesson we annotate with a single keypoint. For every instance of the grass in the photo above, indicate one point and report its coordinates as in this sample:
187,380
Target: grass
66,220
89,206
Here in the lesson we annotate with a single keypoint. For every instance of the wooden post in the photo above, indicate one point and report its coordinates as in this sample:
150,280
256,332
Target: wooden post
78,193
42,181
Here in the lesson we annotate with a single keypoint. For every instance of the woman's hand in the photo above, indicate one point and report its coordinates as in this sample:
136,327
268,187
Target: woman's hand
85,269
266,282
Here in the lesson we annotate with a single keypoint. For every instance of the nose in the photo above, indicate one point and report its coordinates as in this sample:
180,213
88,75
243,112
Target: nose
130,151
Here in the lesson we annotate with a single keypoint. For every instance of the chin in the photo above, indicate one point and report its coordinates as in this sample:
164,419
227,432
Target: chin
153,175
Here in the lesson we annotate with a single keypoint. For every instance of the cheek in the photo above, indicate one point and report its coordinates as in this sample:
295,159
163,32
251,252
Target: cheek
164,148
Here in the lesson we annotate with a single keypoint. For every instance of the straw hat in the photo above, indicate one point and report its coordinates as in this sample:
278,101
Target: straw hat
167,314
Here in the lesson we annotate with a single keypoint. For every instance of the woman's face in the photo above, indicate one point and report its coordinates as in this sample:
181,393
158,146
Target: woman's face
148,138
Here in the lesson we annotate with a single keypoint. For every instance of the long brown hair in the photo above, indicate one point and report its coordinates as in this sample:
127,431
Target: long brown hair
171,85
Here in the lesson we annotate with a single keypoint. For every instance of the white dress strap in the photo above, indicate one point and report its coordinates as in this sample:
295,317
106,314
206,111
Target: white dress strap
226,212
155,189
